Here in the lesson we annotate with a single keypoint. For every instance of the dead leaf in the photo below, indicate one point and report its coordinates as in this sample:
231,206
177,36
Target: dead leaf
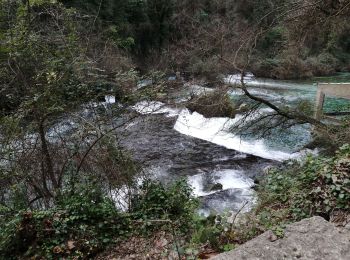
70,245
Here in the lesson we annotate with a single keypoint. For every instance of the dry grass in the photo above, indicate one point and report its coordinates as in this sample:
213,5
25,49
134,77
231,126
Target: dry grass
214,104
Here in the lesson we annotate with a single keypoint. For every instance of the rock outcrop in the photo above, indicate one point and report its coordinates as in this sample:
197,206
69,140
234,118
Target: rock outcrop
309,239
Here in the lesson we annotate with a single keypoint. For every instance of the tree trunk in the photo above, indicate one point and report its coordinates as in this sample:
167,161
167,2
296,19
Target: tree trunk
47,160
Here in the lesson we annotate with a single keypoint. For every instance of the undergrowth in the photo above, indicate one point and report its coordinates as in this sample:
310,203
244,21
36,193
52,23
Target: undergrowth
85,222
321,186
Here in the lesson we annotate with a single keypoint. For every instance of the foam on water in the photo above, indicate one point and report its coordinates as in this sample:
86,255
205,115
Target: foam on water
155,107
230,179
273,90
121,196
236,78
251,81
110,99
229,201
266,93
217,130
198,90
237,191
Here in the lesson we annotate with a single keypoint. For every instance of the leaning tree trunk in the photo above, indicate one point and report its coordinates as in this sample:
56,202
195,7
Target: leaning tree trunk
48,170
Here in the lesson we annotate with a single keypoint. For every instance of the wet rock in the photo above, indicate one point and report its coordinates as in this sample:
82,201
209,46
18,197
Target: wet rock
216,187
243,108
232,199
309,239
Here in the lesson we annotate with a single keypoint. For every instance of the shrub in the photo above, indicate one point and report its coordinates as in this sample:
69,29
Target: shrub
291,65
319,187
214,104
207,235
272,42
284,66
208,67
323,65
174,203
81,224
329,141
85,221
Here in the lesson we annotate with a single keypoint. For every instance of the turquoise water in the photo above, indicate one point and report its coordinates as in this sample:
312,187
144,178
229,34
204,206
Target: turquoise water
331,104
293,94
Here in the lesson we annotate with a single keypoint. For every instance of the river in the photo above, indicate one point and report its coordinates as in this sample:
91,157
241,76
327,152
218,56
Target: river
221,166
173,142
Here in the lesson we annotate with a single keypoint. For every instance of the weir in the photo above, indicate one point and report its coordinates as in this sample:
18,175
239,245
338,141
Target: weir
339,90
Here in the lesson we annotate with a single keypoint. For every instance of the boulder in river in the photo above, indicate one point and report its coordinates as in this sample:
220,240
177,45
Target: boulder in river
216,187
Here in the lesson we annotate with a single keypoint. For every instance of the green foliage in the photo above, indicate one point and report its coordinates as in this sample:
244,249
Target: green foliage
113,34
84,221
80,225
45,60
278,231
47,73
272,42
229,247
320,187
150,28
110,11
208,67
207,234
300,46
140,26
174,203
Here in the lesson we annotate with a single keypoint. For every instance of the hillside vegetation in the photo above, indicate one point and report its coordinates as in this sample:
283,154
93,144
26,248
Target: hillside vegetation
283,39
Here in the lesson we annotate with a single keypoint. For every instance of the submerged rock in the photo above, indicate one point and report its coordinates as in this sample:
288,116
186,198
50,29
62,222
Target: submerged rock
309,239
216,187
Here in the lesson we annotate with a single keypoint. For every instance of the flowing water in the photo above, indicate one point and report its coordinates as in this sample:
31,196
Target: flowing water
166,154
221,166
291,93
174,142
